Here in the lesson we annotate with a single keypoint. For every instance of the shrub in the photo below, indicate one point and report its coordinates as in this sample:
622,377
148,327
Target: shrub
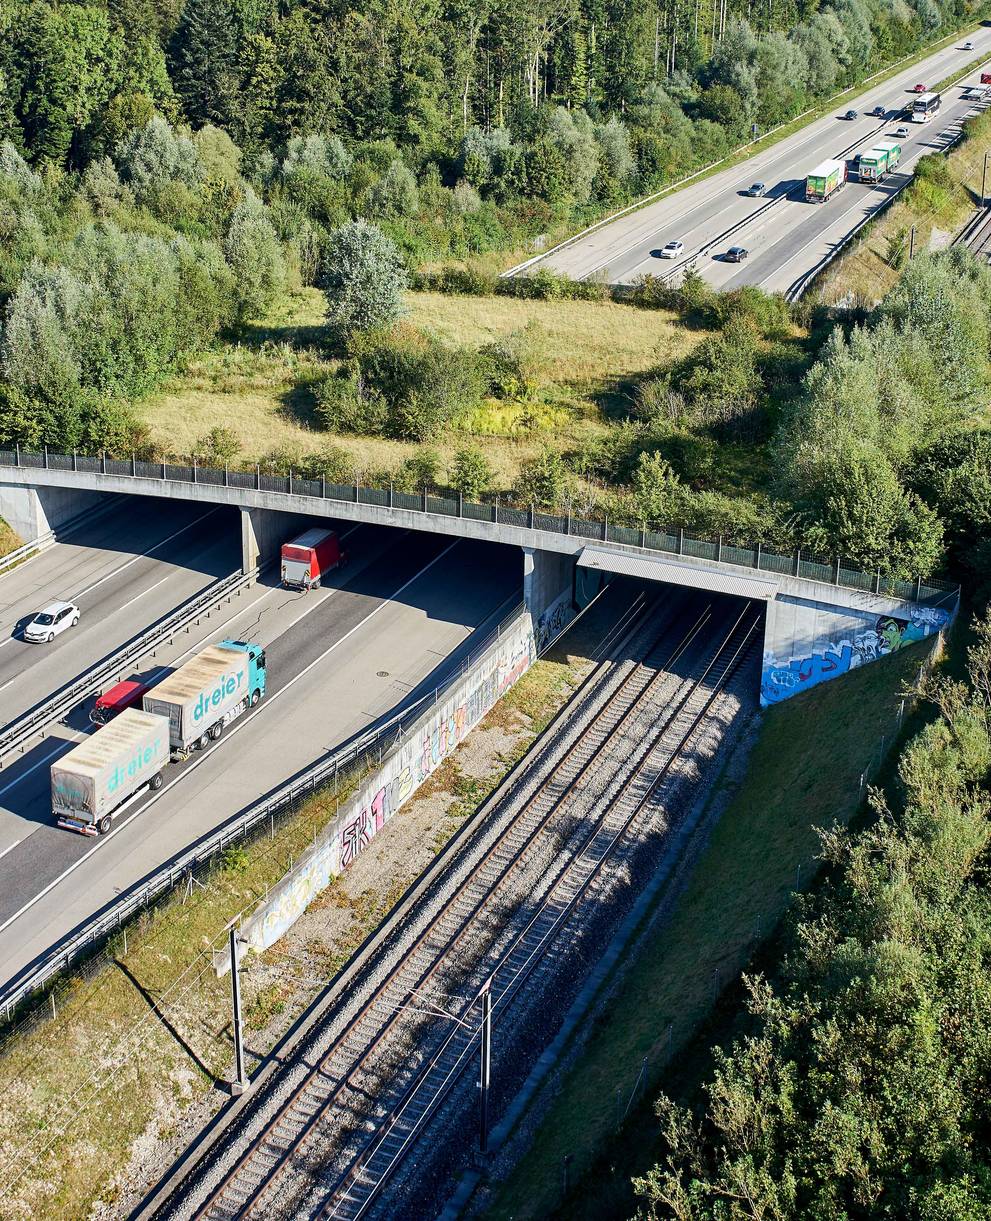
341,405
255,257
515,362
543,480
155,156
218,447
471,474
421,470
364,279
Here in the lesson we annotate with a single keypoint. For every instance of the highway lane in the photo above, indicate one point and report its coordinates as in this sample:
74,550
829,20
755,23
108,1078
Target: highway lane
126,570
340,659
698,213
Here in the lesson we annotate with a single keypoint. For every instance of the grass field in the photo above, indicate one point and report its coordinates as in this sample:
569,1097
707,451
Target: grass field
253,388
866,270
803,773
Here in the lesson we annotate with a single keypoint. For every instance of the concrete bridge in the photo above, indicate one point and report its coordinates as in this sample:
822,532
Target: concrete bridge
822,618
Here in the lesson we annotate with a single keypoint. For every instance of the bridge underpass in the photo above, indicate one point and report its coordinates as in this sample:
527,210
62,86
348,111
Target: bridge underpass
822,618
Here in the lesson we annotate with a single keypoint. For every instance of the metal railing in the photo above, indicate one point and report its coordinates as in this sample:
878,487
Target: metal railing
368,749
677,542
89,683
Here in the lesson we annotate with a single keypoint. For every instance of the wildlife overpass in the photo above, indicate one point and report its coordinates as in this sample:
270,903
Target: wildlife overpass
822,618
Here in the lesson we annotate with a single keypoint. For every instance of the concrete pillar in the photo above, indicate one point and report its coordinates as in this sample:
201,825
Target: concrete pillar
31,512
263,531
548,592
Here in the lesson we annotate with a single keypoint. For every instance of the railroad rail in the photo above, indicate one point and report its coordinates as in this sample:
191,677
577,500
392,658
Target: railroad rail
614,763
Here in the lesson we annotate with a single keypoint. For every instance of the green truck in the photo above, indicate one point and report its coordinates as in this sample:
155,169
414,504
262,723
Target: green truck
824,181
878,161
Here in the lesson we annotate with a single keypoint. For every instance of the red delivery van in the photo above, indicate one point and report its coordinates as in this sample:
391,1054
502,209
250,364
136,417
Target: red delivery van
112,702
306,559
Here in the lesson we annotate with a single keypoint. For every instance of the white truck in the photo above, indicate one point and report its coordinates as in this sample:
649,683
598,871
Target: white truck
99,775
203,696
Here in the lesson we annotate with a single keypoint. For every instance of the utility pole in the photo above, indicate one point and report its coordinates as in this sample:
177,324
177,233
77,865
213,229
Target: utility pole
984,181
240,1082
911,243
485,1071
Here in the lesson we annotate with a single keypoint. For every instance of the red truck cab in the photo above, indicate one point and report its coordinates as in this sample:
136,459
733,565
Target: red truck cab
111,703
309,557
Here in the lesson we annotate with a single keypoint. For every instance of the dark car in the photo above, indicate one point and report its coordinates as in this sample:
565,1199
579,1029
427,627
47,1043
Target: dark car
878,112
850,114
736,254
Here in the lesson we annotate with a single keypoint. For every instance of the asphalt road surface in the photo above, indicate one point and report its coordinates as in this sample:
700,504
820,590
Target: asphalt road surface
786,236
126,570
341,658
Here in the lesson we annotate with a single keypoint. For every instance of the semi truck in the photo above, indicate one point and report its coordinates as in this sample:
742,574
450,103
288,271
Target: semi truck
202,697
878,161
126,694
825,180
309,557
98,776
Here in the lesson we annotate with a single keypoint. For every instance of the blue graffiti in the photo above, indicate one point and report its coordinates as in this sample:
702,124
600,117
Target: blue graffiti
782,679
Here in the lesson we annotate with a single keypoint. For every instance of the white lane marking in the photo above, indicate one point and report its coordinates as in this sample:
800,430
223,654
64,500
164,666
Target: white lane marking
167,577
143,555
10,848
244,610
133,560
239,724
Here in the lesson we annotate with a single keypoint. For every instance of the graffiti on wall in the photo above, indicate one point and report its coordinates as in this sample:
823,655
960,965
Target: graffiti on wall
783,678
436,735
554,620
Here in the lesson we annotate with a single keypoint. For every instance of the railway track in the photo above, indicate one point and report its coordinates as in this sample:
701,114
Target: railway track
382,1075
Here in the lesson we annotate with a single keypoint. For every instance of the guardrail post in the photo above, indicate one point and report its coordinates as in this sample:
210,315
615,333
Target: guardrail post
605,529
290,481
357,488
877,581
529,516
918,588
73,459
643,537
258,476
681,540
17,454
719,549
424,500
227,475
391,493
798,561
323,486
46,457
757,557
495,511
836,572
567,522
103,461
195,480
134,464
461,504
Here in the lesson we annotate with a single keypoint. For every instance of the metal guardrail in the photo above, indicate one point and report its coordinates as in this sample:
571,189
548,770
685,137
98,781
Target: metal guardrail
679,543
356,754
25,727
14,557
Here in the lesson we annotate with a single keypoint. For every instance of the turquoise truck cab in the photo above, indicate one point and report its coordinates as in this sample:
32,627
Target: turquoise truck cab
256,665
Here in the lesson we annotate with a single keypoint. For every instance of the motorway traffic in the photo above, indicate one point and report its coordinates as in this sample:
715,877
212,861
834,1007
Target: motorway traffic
372,639
125,570
784,236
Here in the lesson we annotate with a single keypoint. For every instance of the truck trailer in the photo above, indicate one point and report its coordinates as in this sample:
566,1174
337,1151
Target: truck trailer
825,180
307,558
894,152
99,775
212,689
873,165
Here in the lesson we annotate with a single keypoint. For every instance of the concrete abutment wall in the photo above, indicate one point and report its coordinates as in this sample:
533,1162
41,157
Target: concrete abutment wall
548,592
33,511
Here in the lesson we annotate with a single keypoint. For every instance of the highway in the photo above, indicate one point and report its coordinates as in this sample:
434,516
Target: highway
785,236
374,638
126,569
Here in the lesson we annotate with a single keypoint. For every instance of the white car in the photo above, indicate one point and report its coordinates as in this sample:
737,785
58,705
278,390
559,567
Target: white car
672,250
902,133
48,623
967,46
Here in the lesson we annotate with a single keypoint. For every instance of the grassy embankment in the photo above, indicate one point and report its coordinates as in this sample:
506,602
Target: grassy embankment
147,1036
936,207
803,773
257,389
8,539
